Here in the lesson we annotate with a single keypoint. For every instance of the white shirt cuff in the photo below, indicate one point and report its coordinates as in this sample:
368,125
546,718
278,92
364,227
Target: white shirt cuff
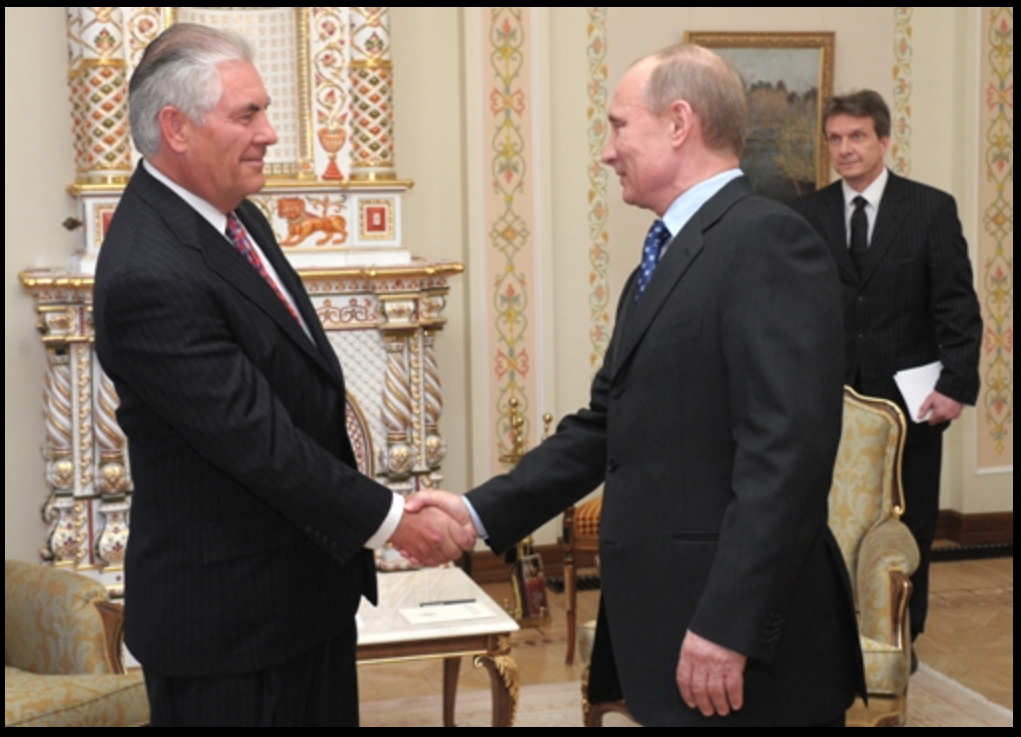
389,526
476,520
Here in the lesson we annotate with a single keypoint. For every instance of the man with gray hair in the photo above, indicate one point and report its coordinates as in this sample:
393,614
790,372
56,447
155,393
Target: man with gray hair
252,530
714,424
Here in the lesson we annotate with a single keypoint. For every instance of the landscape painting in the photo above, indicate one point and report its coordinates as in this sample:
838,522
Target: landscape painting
787,78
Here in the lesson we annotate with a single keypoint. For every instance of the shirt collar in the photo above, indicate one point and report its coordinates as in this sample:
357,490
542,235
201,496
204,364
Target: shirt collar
691,201
208,212
873,193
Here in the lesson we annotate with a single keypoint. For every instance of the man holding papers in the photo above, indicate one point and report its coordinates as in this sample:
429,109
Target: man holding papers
909,303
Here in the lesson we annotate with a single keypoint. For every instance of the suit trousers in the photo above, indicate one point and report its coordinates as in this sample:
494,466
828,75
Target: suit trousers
317,689
923,461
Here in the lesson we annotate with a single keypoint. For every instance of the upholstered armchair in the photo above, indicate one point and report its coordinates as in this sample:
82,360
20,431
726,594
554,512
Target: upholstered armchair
62,653
866,503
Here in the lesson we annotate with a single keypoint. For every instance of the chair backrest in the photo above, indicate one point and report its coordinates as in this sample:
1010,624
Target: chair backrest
866,487
51,622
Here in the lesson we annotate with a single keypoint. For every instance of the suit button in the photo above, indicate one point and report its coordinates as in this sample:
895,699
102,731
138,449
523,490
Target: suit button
612,467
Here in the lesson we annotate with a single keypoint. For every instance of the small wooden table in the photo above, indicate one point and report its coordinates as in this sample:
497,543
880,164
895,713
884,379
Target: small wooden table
385,636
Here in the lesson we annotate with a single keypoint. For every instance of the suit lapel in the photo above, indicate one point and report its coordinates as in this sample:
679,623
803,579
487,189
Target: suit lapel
682,252
891,217
834,222
194,231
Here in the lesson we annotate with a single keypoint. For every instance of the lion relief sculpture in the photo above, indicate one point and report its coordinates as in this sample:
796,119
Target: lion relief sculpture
301,224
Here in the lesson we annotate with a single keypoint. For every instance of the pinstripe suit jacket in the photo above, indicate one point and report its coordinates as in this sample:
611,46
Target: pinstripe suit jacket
714,423
915,302
249,517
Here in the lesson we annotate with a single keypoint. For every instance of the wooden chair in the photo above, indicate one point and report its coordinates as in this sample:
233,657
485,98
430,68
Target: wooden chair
580,536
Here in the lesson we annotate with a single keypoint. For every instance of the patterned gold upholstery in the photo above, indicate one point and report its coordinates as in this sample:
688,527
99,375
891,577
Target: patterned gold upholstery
62,663
866,504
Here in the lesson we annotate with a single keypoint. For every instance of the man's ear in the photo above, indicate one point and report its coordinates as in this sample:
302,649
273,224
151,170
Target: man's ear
681,119
174,129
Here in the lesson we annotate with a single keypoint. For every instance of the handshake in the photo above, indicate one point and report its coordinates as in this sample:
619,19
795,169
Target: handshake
436,528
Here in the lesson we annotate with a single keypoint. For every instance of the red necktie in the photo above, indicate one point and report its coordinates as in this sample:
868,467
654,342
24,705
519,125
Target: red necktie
239,238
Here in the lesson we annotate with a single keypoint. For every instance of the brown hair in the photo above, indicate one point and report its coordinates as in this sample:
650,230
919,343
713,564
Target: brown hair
861,104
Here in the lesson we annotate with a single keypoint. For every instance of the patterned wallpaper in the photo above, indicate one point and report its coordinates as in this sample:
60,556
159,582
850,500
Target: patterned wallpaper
598,132
509,217
900,150
996,242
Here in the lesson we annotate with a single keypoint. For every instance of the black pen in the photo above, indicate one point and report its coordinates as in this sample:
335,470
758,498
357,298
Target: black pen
450,602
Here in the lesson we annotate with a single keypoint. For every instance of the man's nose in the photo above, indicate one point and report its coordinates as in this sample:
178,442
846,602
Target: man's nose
609,153
267,134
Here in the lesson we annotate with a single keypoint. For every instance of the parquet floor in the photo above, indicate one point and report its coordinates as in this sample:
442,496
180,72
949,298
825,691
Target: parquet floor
970,638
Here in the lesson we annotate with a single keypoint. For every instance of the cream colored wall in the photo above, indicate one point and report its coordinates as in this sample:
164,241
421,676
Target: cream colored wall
431,97
38,165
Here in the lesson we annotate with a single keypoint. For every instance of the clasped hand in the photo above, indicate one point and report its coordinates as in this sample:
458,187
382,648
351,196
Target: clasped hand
436,528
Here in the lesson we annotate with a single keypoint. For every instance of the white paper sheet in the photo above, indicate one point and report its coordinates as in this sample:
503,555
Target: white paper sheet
446,613
916,385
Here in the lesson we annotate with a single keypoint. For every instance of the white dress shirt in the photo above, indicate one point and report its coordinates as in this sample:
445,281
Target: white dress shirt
873,195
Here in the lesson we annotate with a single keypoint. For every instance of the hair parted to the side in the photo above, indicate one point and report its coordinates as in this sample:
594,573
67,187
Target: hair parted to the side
179,69
861,104
709,84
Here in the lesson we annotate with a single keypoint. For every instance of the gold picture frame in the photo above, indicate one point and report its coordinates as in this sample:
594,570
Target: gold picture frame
788,78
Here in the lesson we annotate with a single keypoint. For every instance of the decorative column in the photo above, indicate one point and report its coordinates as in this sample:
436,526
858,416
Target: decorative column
372,152
98,81
398,414
113,481
85,452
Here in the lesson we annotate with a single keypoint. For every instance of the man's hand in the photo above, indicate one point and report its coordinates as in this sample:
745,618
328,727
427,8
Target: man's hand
710,677
943,408
434,530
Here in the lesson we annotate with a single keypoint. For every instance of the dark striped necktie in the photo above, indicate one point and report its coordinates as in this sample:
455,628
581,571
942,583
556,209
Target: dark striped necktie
238,236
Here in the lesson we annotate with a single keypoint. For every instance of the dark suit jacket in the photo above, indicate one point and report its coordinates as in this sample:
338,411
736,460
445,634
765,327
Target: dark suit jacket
714,422
249,517
915,302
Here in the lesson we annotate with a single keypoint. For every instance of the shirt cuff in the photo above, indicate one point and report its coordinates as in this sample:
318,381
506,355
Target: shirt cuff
476,520
389,526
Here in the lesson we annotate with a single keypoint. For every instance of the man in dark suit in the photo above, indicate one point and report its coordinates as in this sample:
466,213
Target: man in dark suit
714,423
908,298
252,528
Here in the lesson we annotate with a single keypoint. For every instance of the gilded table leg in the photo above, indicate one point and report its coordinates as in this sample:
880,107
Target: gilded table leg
451,670
506,683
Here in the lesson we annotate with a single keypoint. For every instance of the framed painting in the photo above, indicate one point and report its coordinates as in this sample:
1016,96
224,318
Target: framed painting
788,77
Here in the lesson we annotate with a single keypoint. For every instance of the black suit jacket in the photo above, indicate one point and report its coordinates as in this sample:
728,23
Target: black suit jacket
915,301
714,423
249,517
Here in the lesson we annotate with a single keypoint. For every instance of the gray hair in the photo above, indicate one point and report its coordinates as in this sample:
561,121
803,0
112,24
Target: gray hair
861,104
706,82
179,69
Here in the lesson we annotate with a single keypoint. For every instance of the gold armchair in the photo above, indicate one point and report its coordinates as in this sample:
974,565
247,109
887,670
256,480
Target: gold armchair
866,503
62,653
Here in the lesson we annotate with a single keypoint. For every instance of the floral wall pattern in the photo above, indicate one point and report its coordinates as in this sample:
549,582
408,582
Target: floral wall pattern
900,150
509,219
996,242
598,131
